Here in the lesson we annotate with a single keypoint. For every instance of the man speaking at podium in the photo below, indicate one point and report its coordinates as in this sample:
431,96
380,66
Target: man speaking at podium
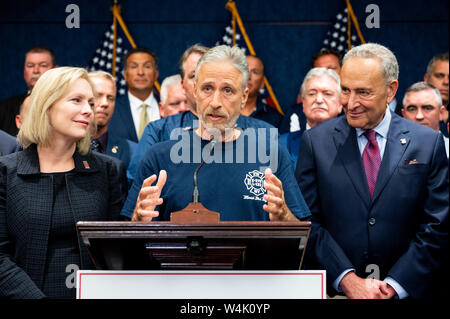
242,174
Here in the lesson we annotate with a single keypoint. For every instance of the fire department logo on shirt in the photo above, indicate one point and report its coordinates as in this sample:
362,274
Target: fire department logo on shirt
254,181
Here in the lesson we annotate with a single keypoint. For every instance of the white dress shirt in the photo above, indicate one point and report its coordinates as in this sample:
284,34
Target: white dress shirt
136,107
445,144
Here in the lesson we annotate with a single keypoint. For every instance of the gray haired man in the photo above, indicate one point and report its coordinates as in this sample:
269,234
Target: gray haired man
320,91
173,97
422,104
377,187
233,181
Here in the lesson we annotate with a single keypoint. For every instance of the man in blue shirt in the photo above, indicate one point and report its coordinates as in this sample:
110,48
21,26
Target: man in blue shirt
237,178
160,130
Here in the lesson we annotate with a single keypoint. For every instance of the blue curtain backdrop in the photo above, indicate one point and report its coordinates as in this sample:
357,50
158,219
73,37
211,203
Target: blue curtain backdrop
284,33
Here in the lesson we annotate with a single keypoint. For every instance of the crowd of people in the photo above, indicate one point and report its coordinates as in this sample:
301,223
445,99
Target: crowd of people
367,169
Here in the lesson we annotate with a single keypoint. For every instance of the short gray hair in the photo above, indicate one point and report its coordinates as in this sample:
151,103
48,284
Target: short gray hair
168,81
389,64
321,72
224,52
103,74
423,86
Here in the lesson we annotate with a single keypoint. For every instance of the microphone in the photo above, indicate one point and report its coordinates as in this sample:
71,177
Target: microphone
195,194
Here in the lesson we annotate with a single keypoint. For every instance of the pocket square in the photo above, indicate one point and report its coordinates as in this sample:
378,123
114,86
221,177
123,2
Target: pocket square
414,161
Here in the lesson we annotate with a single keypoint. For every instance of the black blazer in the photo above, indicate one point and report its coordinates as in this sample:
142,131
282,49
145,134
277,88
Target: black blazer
26,198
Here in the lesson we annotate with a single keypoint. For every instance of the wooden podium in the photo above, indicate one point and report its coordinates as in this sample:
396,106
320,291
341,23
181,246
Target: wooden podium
195,246
196,239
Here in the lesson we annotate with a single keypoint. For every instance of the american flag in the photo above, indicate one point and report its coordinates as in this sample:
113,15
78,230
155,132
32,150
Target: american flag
336,37
227,38
102,59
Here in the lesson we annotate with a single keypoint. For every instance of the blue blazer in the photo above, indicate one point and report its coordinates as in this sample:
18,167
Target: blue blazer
121,123
403,229
120,148
292,142
8,144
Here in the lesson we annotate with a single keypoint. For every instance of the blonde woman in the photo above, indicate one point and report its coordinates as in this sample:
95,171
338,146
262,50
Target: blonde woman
51,185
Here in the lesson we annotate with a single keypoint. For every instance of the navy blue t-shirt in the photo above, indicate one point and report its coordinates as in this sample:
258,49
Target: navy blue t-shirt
160,130
231,181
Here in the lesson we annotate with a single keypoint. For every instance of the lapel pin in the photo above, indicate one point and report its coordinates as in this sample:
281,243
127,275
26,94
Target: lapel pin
403,141
114,149
86,165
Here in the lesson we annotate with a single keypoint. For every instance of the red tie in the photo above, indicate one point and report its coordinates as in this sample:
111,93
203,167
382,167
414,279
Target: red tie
371,159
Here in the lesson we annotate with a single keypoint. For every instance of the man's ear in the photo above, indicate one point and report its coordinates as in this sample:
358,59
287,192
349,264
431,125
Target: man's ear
244,97
18,121
161,109
442,111
425,77
392,89
195,90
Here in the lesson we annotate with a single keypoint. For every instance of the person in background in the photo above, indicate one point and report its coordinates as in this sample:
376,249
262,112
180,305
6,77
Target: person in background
103,140
139,106
320,91
38,60
257,106
173,98
422,104
437,75
329,59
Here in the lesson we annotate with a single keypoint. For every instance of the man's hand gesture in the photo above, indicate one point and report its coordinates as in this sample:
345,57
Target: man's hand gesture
149,198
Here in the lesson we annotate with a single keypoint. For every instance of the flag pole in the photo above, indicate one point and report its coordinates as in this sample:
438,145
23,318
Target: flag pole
355,21
231,6
117,15
114,39
349,29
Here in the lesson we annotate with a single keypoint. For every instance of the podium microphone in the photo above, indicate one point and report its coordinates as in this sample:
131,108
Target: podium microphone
195,194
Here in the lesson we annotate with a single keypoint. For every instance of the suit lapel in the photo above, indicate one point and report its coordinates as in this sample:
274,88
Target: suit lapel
396,145
348,152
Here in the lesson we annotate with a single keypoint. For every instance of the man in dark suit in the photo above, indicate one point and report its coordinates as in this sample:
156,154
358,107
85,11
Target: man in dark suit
104,141
377,187
37,61
139,106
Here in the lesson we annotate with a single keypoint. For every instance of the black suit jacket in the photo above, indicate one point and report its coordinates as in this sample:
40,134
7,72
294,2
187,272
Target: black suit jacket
121,123
26,199
403,230
9,108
